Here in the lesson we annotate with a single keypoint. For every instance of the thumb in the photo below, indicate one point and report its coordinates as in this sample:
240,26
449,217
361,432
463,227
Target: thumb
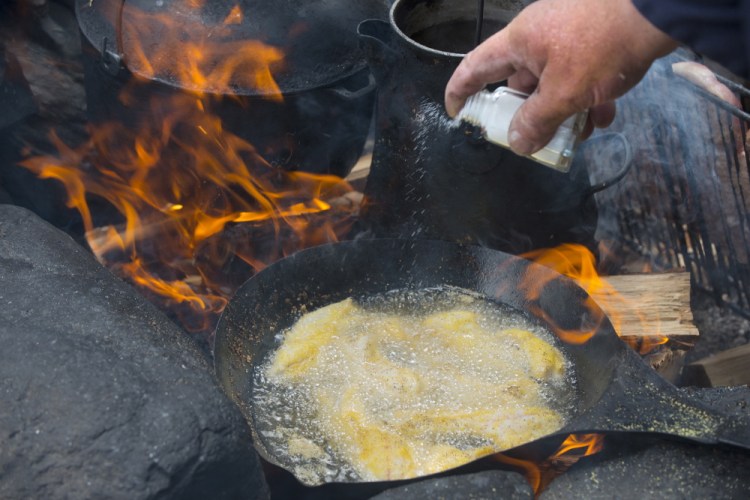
536,122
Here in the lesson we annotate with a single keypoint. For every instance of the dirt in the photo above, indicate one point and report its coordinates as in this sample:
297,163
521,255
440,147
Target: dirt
720,327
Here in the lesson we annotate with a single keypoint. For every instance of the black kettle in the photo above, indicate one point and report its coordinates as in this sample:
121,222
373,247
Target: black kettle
432,178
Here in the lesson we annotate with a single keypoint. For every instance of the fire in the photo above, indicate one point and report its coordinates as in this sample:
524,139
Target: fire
235,16
579,264
572,449
529,469
180,45
190,209
587,443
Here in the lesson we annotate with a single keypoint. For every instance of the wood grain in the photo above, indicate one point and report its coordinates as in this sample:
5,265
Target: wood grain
728,368
650,306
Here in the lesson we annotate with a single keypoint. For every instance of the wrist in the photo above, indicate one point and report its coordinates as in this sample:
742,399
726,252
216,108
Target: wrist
648,41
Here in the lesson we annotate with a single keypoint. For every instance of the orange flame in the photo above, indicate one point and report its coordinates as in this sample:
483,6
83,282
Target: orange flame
198,208
572,449
529,469
234,17
588,443
579,264
181,46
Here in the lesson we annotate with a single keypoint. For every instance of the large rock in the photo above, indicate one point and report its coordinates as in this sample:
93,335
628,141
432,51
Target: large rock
101,396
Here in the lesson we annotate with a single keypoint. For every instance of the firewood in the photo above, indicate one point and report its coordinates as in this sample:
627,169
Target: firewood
648,308
727,368
651,313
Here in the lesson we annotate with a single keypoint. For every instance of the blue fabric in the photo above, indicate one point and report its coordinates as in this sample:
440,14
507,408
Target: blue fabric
717,29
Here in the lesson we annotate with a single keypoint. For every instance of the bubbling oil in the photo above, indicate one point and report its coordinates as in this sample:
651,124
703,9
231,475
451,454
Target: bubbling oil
408,383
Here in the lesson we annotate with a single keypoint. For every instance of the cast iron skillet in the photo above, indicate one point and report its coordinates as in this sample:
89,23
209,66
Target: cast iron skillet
617,391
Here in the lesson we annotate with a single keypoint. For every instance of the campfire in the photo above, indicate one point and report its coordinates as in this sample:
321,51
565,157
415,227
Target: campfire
197,208
223,166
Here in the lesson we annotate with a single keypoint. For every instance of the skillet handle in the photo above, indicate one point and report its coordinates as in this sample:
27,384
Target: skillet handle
639,400
352,95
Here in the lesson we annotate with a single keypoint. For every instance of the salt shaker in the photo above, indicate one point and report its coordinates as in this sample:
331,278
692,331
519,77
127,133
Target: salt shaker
493,111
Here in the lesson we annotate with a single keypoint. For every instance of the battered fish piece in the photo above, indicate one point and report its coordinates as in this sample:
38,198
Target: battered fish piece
312,331
396,396
544,361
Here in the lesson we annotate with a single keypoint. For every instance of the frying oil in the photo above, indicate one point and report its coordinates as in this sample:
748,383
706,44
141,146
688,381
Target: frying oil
408,383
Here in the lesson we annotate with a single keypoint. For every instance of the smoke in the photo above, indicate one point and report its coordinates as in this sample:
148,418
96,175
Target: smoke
684,197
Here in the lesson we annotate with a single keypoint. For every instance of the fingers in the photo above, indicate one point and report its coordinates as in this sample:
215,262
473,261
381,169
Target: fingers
603,115
523,80
600,116
490,62
537,120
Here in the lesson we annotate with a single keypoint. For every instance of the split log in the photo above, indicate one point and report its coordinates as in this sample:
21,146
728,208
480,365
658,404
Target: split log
727,368
652,314
652,307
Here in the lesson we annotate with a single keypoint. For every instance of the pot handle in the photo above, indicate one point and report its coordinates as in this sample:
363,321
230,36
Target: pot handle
352,95
626,164
112,58
377,42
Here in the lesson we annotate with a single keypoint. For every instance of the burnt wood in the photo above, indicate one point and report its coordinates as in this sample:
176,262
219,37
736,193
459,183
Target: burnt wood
16,99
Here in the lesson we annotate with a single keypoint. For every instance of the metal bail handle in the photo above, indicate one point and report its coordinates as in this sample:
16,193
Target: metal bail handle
480,21
113,59
625,166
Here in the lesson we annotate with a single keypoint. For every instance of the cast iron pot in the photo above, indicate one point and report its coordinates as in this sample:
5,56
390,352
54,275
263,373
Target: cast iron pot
432,179
328,92
617,391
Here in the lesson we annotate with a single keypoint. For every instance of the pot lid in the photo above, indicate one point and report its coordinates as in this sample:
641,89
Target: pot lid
246,47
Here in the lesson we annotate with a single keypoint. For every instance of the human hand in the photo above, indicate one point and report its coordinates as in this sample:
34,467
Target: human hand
570,55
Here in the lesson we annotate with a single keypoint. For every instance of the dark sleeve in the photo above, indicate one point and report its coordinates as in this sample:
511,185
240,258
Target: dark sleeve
717,29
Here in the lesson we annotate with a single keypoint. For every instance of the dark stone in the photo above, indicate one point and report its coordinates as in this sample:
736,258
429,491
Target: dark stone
488,484
16,100
101,396
638,469
43,88
4,197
